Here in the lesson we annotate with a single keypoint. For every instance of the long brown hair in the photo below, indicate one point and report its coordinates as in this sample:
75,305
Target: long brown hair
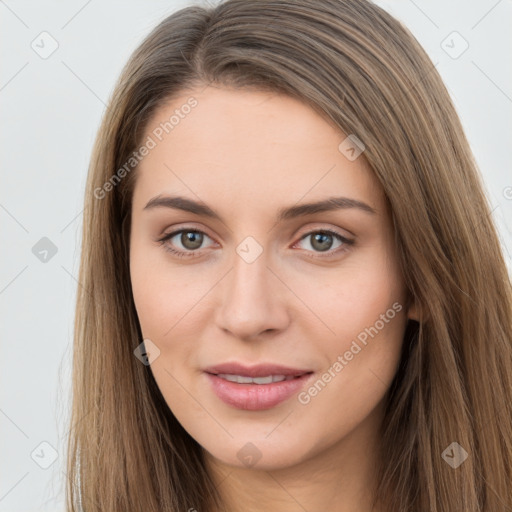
365,73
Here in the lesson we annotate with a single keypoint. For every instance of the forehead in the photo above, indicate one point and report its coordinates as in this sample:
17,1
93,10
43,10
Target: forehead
260,120
248,143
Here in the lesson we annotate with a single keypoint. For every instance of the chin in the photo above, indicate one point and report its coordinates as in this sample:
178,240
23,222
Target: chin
259,454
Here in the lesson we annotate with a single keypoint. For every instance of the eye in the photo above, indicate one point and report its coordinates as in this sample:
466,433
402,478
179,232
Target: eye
322,241
190,240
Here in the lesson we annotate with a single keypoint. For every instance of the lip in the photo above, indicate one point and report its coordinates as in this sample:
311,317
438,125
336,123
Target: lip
256,397
260,370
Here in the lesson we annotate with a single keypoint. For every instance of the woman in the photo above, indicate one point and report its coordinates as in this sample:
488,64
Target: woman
292,293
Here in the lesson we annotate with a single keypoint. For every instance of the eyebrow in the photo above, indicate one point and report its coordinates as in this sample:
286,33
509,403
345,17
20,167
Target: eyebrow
291,212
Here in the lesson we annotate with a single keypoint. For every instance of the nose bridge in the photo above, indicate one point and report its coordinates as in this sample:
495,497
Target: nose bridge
250,303
250,273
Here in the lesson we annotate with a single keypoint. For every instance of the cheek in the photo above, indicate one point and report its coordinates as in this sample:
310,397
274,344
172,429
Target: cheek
163,295
350,298
371,305
361,367
171,306
348,395
363,306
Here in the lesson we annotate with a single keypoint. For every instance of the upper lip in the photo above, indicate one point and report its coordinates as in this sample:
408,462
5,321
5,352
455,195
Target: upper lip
260,370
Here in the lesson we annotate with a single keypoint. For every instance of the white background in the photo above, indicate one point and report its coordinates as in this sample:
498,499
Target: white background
51,109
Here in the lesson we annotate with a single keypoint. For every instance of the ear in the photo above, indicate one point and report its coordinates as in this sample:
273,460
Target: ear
413,311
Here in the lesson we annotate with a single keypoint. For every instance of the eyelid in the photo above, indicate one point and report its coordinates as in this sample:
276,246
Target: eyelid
315,227
178,229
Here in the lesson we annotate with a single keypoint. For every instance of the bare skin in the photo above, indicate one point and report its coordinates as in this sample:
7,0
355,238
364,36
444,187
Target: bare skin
301,303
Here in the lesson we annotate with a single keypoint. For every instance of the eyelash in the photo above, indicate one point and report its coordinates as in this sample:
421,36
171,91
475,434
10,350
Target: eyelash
191,254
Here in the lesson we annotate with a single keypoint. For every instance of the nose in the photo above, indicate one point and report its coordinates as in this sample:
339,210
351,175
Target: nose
252,300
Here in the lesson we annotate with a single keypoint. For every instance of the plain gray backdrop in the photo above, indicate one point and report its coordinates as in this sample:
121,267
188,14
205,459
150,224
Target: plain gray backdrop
52,99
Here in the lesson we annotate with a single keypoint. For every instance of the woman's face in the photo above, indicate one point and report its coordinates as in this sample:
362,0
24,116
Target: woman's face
261,286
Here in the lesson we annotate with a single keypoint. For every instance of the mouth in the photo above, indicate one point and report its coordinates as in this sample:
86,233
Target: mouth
258,387
243,379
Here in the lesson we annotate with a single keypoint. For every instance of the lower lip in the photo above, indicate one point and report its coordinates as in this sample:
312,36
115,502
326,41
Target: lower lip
256,397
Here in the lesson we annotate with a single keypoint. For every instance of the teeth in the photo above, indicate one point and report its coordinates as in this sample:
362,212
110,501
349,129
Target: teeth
263,380
242,379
